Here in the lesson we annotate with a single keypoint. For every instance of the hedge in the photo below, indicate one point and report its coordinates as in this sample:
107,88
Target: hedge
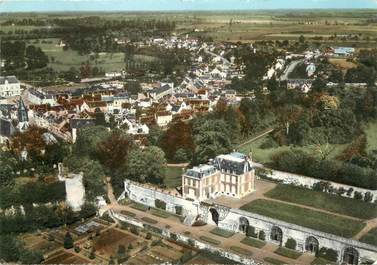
160,204
291,243
210,240
288,253
328,254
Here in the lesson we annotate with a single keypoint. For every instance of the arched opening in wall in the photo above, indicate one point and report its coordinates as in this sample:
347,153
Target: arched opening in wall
312,245
244,224
276,234
215,215
350,256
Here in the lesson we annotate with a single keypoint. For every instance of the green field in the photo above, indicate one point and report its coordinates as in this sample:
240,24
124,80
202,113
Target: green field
371,133
305,217
173,177
370,237
265,155
321,200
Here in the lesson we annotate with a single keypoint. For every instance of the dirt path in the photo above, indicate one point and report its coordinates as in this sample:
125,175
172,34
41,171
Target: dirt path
370,225
256,138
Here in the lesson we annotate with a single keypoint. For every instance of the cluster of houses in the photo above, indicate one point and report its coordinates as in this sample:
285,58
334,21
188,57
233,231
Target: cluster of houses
157,104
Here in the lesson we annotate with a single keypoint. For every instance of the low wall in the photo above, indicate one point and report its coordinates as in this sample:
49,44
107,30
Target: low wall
308,182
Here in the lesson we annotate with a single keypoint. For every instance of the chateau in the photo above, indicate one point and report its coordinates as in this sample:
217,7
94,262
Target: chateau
229,175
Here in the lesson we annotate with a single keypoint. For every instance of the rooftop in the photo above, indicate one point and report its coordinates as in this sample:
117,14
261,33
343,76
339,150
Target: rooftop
201,171
10,79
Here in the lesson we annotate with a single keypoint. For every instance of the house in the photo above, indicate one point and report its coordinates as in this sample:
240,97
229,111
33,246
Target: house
40,98
304,85
344,51
9,86
163,118
160,92
229,175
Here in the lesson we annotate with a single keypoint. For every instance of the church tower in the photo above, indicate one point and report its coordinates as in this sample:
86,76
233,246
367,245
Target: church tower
22,114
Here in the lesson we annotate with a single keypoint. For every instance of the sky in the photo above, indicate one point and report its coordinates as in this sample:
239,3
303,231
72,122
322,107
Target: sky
179,5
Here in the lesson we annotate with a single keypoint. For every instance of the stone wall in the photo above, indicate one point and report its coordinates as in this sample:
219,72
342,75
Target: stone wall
303,181
229,219
189,241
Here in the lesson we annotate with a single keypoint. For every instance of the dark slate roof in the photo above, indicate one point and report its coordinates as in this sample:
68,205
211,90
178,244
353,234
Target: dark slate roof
162,89
6,127
11,79
81,123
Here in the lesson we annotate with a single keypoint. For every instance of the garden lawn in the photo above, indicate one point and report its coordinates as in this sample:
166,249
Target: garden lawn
221,232
210,240
370,130
370,237
274,261
289,253
324,222
253,242
321,200
173,177
139,206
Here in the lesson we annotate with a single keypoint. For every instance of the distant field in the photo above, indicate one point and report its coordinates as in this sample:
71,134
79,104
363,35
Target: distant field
342,63
321,200
371,133
305,217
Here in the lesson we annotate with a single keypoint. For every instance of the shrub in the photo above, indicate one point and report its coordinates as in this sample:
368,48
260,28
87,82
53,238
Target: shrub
134,230
250,231
191,242
92,254
160,204
173,237
357,195
269,143
187,255
262,235
68,241
130,246
199,223
77,249
291,243
178,210
368,197
328,254
148,236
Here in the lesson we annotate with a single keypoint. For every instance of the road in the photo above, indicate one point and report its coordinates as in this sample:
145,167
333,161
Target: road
289,69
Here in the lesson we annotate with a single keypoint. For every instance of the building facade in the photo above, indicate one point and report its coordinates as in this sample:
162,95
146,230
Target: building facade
230,175
9,86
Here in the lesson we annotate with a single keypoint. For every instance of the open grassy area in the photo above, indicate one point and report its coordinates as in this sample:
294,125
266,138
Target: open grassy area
305,217
371,133
289,253
370,237
173,177
264,155
210,240
221,232
253,242
274,261
321,200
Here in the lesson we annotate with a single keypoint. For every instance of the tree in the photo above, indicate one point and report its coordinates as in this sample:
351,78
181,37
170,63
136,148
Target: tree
114,150
291,243
31,140
121,253
7,167
211,138
88,139
35,58
10,248
146,165
301,39
68,241
31,257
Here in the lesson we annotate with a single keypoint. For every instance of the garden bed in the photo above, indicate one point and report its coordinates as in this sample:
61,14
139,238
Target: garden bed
210,240
289,253
253,242
221,232
149,220
241,251
274,261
